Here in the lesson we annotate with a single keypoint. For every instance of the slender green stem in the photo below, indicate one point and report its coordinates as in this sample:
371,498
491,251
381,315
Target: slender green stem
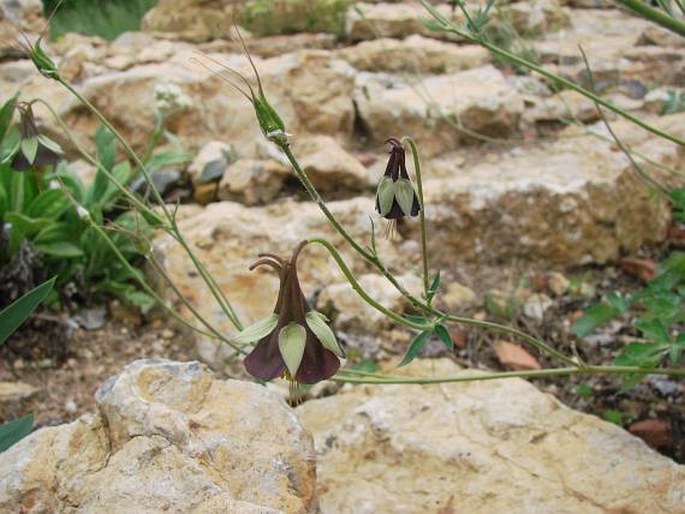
92,160
642,173
208,279
360,291
422,306
449,26
536,373
662,18
422,217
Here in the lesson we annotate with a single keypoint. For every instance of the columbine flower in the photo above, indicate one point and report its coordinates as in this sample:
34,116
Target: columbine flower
294,342
395,196
34,150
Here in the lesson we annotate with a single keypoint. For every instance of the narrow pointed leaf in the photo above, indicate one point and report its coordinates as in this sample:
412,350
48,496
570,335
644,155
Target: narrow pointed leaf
414,349
404,194
13,431
434,286
291,342
317,324
17,312
257,330
444,335
29,147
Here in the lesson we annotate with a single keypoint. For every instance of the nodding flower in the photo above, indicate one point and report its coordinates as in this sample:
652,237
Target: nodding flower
295,342
33,150
396,196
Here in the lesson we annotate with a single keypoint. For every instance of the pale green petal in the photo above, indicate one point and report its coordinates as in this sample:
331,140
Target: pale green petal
50,144
385,194
291,341
29,147
317,324
404,193
257,330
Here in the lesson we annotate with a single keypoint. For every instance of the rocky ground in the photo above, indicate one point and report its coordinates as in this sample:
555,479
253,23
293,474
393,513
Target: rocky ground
531,209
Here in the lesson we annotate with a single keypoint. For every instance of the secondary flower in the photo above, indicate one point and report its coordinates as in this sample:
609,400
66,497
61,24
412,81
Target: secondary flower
395,196
294,342
33,150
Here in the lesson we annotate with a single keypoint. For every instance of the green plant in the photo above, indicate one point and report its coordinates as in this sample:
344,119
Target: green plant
10,319
107,18
271,17
48,209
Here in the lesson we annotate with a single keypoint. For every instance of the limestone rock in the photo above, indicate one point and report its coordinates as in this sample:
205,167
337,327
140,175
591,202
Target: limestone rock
481,99
351,313
15,398
191,20
167,438
253,182
456,297
479,447
567,105
370,21
540,16
212,152
330,167
594,204
212,108
657,35
415,54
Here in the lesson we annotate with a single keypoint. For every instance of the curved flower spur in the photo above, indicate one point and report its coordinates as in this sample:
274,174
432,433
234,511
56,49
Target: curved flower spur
295,342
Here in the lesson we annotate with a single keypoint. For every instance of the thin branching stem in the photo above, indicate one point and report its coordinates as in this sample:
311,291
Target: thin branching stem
344,376
447,25
422,216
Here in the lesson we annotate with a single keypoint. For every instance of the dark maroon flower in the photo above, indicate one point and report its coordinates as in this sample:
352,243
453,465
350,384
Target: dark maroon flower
34,150
294,342
395,196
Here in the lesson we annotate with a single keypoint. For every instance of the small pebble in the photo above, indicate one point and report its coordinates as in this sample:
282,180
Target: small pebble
18,365
168,333
70,406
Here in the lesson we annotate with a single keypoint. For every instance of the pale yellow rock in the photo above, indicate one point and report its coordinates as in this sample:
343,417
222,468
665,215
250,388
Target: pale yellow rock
479,447
351,313
414,54
168,438
481,99
329,166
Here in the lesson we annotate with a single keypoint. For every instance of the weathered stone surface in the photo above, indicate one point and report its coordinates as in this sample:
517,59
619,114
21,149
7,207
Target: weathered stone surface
481,99
191,20
574,201
534,18
329,166
352,314
370,21
214,109
253,182
15,398
657,35
479,447
167,438
415,54
566,106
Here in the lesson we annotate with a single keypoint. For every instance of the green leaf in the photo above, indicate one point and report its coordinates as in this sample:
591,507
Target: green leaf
17,312
63,249
139,299
13,431
168,158
444,335
367,366
593,318
434,286
6,112
613,416
584,390
416,319
644,355
50,203
654,330
414,349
